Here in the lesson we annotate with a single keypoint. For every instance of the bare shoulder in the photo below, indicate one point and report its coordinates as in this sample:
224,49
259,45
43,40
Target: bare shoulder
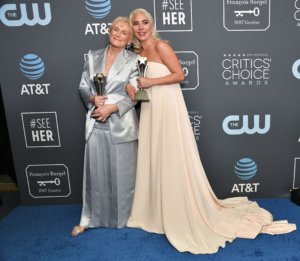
162,46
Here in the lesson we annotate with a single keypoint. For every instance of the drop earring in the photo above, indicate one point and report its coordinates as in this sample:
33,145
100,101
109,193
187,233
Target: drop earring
129,47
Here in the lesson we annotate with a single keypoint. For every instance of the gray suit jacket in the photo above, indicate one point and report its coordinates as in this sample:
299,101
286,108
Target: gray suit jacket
123,124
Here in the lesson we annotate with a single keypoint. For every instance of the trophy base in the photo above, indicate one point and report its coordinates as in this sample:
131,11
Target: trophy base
141,95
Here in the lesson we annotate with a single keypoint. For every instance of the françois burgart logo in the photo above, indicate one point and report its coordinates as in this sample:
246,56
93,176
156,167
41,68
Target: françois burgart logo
32,66
98,8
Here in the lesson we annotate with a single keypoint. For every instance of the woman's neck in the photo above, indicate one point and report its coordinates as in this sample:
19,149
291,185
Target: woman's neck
111,54
113,51
147,44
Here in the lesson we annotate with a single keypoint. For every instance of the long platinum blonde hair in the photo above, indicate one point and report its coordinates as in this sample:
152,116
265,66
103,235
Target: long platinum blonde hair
135,41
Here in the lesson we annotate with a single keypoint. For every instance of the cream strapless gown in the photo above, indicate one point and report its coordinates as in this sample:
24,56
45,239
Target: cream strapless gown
172,193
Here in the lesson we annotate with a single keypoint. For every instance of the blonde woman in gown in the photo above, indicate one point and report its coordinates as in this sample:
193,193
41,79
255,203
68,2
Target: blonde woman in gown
172,193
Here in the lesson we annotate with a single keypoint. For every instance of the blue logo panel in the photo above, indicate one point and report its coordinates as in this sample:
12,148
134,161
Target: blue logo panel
98,8
245,168
32,66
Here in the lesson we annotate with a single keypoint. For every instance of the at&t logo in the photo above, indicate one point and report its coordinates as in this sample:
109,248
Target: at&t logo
245,169
16,14
98,9
33,68
295,69
235,125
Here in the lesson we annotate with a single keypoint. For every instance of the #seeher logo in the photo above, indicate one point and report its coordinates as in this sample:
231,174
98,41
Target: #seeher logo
98,8
32,66
245,168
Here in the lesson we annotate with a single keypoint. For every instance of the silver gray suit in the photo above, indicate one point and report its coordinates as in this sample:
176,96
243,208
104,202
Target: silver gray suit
111,147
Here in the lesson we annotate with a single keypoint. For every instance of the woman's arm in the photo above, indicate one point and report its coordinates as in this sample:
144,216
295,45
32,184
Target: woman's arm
86,90
123,105
130,91
168,58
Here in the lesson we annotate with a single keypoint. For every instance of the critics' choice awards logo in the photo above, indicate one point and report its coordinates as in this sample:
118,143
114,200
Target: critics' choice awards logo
48,180
33,68
246,15
190,64
40,129
15,15
195,120
238,125
246,69
297,12
98,9
295,69
245,169
173,15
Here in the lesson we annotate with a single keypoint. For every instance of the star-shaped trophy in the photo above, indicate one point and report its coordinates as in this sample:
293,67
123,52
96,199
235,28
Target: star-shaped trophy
142,65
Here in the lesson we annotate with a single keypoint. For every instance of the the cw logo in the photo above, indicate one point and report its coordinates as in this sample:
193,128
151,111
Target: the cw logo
295,69
297,13
10,17
231,125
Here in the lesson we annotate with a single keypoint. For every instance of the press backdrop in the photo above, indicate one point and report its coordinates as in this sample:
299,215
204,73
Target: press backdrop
241,61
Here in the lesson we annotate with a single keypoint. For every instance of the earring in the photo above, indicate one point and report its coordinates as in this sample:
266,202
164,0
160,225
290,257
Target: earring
129,47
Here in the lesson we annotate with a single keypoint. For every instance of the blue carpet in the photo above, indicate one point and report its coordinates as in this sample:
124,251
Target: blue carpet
43,233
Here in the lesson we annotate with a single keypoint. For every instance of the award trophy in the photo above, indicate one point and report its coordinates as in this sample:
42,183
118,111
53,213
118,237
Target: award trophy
100,82
142,64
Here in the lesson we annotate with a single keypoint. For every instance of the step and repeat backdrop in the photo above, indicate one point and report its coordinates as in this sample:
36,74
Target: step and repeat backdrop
241,60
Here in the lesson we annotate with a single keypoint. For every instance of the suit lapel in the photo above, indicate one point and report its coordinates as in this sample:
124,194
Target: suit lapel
99,61
118,64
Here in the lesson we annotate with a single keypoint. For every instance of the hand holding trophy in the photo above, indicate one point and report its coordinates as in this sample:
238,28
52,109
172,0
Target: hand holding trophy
142,64
100,82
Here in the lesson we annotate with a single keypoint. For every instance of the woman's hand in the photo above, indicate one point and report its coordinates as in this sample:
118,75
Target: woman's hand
130,91
103,113
98,100
144,83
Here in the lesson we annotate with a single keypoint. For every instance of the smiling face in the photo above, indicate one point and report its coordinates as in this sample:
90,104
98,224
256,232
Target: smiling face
120,34
142,27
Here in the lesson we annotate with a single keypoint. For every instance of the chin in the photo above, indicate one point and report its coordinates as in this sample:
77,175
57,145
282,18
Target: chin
142,39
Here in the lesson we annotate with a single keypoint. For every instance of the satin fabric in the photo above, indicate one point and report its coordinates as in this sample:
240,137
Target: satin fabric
124,123
172,193
111,147
108,182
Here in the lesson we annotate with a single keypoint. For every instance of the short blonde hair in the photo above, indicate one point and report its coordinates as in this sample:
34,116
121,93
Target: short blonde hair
135,41
122,19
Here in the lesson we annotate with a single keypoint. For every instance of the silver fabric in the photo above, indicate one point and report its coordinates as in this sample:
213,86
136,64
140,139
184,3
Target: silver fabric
108,181
124,124
111,147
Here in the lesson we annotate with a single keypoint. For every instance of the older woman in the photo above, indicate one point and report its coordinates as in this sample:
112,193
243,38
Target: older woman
111,133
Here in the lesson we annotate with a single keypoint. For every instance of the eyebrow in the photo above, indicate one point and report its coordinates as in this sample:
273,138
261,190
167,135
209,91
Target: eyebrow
145,20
